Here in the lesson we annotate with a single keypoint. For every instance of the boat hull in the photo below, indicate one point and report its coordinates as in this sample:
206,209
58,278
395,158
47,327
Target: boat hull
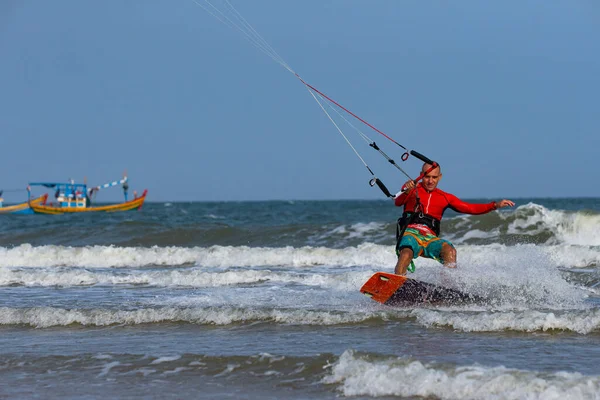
134,204
24,208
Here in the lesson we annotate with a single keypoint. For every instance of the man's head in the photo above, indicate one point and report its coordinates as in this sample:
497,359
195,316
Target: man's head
431,180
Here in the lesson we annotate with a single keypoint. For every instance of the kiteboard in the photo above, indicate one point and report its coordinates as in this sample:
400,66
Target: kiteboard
397,290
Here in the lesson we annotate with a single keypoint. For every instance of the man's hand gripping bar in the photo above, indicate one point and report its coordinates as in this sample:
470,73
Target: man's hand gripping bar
426,160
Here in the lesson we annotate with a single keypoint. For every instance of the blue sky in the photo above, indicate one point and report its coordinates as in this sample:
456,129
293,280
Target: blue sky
503,94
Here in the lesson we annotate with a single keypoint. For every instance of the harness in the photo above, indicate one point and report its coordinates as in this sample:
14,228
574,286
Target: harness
416,217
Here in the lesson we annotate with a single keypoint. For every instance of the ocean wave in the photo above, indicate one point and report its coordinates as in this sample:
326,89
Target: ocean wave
357,375
46,317
366,254
529,223
577,228
184,278
214,256
584,321
579,321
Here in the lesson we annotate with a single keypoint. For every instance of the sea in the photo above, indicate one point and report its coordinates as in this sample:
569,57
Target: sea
260,300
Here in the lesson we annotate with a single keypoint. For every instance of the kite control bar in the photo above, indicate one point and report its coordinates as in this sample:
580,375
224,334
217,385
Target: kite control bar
423,158
426,160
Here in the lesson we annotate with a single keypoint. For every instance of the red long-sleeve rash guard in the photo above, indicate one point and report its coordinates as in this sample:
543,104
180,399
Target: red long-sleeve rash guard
435,203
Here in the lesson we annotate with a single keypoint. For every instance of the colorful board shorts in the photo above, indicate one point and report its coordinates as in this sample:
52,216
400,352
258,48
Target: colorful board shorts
423,243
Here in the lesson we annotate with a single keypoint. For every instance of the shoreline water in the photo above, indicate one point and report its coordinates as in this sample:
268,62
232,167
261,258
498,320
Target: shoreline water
261,300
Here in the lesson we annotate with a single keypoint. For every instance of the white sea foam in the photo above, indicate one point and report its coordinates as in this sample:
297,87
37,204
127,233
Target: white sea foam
366,254
84,277
580,321
515,275
357,376
583,321
44,317
95,256
215,256
192,277
524,274
580,229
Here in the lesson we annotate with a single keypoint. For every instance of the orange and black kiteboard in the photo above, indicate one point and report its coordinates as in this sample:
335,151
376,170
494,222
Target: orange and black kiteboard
391,289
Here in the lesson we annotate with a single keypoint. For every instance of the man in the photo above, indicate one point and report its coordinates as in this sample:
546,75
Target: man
419,226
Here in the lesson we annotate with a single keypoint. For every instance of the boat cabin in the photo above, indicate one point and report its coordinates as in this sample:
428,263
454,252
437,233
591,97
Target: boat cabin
71,195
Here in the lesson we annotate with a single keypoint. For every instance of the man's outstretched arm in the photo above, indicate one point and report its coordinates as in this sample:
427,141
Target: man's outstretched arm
473,208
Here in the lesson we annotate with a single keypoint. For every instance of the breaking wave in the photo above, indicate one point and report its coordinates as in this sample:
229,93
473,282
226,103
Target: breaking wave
584,321
356,375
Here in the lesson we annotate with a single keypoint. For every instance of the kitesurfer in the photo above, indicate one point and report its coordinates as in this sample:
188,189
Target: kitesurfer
419,227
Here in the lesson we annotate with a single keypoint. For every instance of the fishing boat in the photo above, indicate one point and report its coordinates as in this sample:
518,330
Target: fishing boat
74,197
22,208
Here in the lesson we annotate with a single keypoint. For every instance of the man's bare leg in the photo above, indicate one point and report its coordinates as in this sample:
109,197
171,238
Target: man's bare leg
404,259
448,254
